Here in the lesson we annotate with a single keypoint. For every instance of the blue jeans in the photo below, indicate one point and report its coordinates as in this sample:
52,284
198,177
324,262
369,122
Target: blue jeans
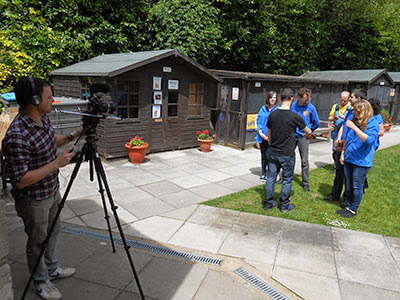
303,144
264,149
275,163
339,176
355,178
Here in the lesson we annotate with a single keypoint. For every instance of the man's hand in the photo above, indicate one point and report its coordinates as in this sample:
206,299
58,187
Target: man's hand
64,158
338,145
342,117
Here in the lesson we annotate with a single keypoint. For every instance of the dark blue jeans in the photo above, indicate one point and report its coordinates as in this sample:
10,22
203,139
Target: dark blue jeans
339,176
355,178
264,149
275,163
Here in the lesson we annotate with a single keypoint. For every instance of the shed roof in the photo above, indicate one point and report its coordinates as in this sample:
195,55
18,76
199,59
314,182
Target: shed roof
111,65
395,76
368,76
274,77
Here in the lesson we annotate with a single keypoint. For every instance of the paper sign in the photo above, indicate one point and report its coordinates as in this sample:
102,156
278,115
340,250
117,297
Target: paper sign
157,83
251,122
167,69
157,97
392,91
235,93
257,84
156,111
173,84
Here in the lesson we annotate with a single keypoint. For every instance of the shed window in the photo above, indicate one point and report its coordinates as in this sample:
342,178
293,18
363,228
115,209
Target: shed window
128,98
195,98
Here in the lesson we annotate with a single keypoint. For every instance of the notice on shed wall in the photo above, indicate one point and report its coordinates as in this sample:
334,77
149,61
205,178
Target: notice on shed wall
157,97
156,111
173,84
157,83
251,122
235,93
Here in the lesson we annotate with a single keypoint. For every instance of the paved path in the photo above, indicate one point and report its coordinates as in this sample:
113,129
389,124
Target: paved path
159,202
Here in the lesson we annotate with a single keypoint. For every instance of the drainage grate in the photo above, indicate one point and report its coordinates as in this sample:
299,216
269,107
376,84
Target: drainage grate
147,246
260,284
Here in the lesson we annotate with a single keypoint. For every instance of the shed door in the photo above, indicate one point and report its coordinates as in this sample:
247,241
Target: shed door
166,123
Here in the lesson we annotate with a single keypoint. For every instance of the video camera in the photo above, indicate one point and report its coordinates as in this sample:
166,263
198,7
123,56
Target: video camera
96,105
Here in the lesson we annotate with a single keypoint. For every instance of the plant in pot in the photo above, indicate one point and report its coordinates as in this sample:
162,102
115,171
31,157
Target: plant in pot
205,140
387,120
136,149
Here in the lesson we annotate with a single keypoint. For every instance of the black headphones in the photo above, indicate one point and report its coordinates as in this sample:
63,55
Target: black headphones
36,99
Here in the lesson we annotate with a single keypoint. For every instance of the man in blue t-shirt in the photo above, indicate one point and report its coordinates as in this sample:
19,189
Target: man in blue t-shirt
307,111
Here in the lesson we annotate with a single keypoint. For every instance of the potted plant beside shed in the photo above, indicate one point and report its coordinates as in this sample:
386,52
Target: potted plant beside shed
136,149
387,120
205,140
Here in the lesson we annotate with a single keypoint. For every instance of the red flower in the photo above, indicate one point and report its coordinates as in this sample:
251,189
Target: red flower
132,139
205,131
214,135
137,138
326,125
390,119
198,132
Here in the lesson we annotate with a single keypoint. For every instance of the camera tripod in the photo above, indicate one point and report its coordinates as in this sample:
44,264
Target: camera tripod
90,153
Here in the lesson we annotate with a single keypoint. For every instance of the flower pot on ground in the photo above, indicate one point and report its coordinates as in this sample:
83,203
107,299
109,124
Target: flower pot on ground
136,150
387,119
387,126
205,140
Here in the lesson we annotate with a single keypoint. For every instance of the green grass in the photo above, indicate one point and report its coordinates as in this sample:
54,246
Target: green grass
379,211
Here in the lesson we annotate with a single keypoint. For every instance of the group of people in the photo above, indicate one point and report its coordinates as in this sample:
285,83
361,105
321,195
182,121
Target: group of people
357,126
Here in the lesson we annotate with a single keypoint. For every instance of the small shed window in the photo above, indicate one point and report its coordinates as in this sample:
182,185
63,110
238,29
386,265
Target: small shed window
195,98
128,98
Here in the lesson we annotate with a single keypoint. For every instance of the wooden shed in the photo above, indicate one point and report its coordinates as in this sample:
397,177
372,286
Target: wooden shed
242,94
163,96
378,83
394,105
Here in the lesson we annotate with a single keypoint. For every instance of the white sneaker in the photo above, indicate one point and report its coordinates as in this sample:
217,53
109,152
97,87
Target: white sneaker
62,272
47,290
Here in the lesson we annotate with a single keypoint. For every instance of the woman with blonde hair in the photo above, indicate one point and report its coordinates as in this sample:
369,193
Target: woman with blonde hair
360,135
262,135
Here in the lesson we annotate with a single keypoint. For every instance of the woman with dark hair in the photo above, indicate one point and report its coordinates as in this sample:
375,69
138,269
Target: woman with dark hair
359,149
376,108
262,135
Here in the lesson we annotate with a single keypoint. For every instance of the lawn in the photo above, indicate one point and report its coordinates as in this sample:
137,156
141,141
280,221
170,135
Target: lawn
379,211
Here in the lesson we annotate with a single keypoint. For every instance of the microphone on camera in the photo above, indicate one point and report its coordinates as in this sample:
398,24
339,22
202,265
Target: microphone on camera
99,87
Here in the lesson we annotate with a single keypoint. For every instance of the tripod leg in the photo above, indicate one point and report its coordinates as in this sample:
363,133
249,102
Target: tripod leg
53,224
106,216
100,170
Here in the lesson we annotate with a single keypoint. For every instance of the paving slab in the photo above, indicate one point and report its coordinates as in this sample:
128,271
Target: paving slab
211,190
142,178
221,286
85,205
250,246
189,181
97,219
381,272
213,175
181,214
307,258
214,217
167,174
161,188
182,199
199,237
235,184
355,291
360,242
156,228
166,279
263,225
264,268
394,246
132,296
308,286
147,207
130,195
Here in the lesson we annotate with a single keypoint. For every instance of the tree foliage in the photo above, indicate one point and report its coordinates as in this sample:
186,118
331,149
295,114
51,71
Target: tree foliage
274,36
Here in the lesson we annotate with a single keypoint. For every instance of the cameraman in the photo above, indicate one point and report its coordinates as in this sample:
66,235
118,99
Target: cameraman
32,165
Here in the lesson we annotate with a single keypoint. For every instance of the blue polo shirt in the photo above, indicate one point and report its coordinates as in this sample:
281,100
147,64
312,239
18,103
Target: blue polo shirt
349,116
262,119
362,153
309,115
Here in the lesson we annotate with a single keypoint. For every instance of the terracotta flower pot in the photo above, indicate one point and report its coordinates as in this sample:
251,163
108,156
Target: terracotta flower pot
387,126
205,145
136,153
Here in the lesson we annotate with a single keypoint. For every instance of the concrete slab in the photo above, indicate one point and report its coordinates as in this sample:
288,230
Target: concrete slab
213,175
193,168
147,207
67,213
75,221
142,178
381,272
221,286
189,181
20,276
97,219
235,170
364,243
161,188
130,195
132,296
181,214
215,217
308,286
355,291
156,228
215,164
235,184
81,189
307,258
250,246
394,246
167,174
166,279
264,225
182,199
261,266
111,269
85,205
199,237
211,191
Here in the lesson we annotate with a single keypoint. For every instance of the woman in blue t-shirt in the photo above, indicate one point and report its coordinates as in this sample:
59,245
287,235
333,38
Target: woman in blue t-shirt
359,149
262,135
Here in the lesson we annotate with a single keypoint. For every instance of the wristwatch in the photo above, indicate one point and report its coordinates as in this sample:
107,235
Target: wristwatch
71,136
